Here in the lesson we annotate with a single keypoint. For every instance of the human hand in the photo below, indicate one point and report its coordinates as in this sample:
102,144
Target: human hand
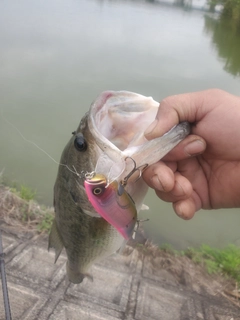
203,171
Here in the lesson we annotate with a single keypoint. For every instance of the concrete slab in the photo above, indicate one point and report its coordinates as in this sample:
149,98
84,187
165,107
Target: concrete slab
66,311
113,296
36,264
132,286
23,300
156,303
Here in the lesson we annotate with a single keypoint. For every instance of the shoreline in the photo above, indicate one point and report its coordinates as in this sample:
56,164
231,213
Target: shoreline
27,216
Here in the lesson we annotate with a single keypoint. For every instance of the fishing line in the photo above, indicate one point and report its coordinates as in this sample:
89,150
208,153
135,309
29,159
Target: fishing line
39,148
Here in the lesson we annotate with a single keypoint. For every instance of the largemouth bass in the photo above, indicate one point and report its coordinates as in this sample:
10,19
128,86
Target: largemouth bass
107,138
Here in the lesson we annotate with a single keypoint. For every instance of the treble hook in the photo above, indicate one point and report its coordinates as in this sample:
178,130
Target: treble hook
123,182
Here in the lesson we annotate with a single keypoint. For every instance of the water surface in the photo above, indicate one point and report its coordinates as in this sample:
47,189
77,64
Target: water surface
57,56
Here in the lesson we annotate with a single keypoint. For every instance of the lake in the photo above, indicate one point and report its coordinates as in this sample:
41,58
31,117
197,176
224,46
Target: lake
57,56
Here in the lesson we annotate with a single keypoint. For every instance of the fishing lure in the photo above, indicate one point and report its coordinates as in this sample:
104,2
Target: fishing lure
115,205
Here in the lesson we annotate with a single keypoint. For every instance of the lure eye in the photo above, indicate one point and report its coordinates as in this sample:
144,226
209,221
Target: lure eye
80,143
97,191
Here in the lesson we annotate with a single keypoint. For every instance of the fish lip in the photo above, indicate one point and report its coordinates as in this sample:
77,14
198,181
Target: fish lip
102,142
102,99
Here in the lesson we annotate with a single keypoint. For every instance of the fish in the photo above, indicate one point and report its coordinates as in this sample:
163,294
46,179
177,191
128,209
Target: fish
107,142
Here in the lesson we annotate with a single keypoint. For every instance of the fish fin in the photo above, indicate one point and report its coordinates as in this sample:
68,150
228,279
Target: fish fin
120,250
75,276
144,207
67,284
55,240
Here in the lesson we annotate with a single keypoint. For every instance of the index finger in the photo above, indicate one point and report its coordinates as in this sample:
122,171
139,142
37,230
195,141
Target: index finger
175,109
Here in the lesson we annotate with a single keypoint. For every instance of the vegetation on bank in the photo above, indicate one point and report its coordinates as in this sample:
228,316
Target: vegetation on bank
224,261
18,208
231,8
225,35
24,192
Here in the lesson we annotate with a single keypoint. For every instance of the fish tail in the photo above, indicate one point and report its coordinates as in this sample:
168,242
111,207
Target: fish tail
74,275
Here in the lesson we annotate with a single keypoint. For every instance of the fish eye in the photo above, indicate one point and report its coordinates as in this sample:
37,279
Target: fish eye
97,191
80,143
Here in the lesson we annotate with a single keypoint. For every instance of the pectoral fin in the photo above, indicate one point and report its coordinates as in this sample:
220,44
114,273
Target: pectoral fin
120,250
144,207
55,240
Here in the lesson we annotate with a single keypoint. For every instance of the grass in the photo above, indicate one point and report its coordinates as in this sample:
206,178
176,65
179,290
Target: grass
27,193
18,207
166,247
46,222
224,261
24,192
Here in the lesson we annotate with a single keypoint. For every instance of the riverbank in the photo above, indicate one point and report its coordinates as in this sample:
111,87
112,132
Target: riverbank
19,209
186,269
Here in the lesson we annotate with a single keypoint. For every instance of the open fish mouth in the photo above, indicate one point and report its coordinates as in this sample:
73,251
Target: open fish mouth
117,121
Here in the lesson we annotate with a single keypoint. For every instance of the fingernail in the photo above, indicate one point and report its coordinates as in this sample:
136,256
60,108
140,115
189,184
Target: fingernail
182,210
151,127
195,147
156,183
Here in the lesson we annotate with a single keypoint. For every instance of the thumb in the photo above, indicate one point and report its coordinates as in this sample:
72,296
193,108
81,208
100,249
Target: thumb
175,109
191,146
